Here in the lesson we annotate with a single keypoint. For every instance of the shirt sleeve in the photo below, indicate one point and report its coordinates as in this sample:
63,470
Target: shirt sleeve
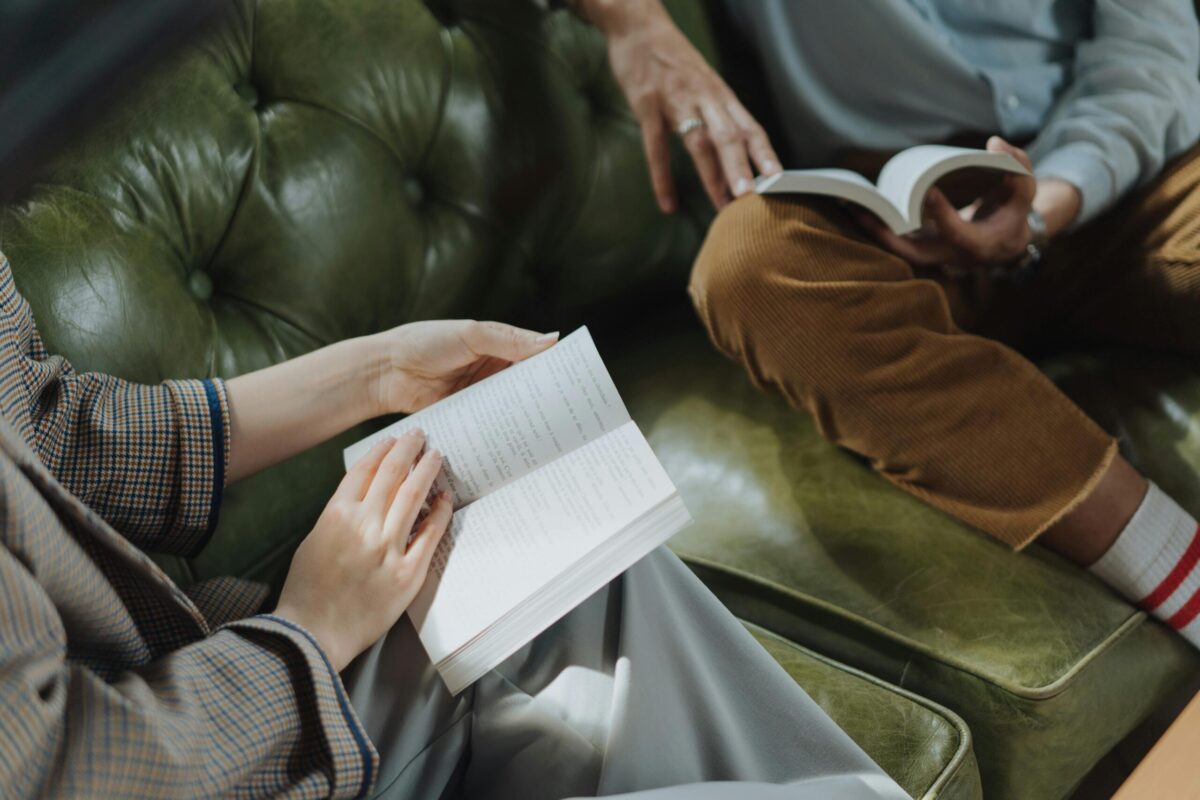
149,459
1132,104
251,710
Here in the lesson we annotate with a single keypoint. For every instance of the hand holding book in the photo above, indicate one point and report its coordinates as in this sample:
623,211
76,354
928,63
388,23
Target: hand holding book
368,555
899,195
908,214
993,229
556,493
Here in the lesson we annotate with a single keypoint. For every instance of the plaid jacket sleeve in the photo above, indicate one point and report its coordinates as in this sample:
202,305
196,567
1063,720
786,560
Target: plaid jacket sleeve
235,714
149,459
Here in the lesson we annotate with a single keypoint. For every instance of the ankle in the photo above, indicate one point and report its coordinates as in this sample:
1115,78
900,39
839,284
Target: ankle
1089,530
1155,562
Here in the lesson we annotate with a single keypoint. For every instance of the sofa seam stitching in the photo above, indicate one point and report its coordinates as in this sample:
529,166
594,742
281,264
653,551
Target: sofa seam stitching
1043,692
957,723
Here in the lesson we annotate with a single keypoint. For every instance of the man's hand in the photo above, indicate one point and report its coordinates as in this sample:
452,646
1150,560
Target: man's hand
357,572
422,362
992,230
666,81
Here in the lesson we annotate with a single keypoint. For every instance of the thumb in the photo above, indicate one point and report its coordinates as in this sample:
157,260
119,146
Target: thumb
995,144
506,341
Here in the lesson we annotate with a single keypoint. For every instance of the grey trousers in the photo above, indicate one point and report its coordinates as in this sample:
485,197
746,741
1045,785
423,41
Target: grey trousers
650,687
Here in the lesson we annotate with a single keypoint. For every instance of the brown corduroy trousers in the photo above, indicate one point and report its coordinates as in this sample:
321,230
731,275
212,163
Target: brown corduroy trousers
919,372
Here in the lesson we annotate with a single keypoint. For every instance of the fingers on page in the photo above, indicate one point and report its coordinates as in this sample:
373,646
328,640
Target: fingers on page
393,470
425,540
410,497
506,342
358,478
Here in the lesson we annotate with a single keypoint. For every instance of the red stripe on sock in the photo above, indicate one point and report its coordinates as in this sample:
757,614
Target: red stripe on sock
1187,613
1175,577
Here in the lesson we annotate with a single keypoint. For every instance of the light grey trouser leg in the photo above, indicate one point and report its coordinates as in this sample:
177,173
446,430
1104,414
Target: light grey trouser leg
651,683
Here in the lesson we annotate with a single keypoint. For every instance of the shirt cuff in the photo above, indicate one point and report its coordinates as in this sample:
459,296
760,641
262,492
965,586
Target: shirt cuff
1084,166
355,760
202,415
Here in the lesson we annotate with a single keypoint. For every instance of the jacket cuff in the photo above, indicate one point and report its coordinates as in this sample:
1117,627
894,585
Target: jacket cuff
355,761
1084,166
202,414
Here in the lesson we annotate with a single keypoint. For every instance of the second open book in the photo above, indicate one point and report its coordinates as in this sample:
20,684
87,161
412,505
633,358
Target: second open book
556,493
897,197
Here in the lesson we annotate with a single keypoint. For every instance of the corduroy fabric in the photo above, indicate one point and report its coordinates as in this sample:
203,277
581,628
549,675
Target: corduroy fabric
918,372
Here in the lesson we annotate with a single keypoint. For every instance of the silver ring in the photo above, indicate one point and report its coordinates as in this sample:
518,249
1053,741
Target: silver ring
688,125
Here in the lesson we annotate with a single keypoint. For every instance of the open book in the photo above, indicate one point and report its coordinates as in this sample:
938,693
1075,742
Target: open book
897,197
556,493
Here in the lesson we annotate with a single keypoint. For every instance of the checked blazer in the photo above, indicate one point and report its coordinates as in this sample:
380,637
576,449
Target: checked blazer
113,681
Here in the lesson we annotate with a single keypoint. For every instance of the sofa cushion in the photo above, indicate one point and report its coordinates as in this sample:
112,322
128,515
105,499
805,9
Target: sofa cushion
924,747
1047,666
317,170
313,171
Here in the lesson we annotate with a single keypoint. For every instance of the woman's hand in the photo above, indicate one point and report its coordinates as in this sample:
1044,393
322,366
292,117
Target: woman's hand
422,362
666,81
992,230
281,410
357,571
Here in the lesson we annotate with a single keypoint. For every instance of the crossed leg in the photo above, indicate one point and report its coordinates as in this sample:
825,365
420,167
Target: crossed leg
918,373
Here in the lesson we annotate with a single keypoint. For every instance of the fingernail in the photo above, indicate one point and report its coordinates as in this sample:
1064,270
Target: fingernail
416,433
769,166
547,337
741,187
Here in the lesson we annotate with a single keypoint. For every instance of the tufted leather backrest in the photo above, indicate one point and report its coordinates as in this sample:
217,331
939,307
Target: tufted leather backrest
319,169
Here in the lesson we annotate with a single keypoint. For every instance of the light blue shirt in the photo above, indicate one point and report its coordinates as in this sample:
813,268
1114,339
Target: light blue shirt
1108,90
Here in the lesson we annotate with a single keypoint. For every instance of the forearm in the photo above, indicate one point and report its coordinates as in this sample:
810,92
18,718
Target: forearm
616,16
284,409
1133,102
173,716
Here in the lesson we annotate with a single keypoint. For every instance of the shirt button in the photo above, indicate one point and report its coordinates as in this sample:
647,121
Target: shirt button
1012,102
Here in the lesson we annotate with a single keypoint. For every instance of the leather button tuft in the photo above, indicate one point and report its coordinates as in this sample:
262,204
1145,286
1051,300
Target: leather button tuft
415,191
595,100
248,93
443,11
200,285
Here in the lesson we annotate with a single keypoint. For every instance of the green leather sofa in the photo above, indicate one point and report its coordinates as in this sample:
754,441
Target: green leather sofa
318,169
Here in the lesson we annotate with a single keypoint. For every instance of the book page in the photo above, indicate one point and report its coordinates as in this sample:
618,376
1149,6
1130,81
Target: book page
908,175
508,425
839,183
904,170
506,546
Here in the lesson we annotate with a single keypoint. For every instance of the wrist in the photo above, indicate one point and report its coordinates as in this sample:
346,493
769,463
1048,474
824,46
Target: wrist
1058,203
347,377
1035,244
329,645
615,17
369,355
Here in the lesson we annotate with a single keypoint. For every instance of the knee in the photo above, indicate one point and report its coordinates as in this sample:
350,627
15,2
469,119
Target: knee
724,265
753,245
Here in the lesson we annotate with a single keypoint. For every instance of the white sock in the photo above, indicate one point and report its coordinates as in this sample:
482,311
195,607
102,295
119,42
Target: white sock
1155,562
